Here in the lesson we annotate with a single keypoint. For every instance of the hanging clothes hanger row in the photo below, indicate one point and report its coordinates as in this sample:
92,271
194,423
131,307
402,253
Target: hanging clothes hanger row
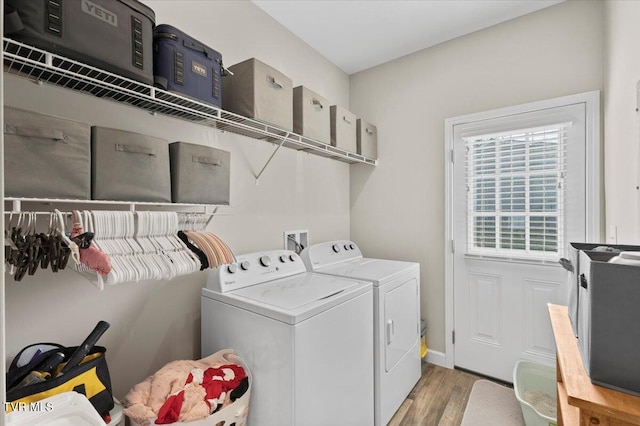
111,247
27,250
210,246
142,245
195,221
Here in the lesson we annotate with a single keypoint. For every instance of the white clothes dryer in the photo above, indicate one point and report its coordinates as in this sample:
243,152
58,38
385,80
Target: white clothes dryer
306,337
396,311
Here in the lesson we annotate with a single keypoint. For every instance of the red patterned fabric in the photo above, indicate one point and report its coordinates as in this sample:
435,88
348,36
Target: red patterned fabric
170,411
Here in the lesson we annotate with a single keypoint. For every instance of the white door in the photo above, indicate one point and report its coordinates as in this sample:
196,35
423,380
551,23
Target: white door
519,196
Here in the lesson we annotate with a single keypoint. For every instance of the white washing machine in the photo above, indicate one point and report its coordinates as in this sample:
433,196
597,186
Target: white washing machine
306,337
396,311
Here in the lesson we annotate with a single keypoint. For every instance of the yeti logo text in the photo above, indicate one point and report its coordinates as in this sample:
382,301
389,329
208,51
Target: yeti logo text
199,69
99,12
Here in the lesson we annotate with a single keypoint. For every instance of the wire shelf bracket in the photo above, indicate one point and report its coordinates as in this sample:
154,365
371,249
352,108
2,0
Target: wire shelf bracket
270,158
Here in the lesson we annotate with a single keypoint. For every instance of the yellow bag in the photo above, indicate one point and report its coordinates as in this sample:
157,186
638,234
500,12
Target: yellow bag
90,377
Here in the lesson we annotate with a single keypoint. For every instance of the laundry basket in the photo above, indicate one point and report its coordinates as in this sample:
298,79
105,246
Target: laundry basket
535,388
234,414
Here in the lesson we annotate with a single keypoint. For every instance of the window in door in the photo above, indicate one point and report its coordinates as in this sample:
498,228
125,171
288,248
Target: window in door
515,193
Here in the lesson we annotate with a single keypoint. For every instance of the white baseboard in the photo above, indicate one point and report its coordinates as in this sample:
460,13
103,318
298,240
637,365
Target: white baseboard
437,358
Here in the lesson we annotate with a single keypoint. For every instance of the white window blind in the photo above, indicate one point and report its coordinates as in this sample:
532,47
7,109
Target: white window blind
515,193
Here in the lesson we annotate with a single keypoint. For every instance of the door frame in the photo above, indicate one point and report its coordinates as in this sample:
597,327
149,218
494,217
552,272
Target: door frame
593,184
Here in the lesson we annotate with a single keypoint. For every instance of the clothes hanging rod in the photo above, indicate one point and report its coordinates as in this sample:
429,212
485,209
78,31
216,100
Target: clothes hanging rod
29,212
208,215
18,204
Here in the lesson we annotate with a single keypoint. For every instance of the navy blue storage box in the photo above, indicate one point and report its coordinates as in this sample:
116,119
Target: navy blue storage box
184,65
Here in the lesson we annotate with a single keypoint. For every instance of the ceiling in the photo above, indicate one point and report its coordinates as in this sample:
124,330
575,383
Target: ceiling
359,34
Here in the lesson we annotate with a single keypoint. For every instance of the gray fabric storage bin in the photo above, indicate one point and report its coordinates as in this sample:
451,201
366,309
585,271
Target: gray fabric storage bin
343,129
199,174
45,156
572,264
311,115
256,90
127,166
366,139
608,318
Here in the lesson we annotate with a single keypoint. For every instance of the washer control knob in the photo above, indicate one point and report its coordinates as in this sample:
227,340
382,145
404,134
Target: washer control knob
352,246
346,246
292,257
232,268
336,248
265,260
244,265
283,258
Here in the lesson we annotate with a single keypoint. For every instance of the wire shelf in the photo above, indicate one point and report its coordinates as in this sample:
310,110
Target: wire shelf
45,67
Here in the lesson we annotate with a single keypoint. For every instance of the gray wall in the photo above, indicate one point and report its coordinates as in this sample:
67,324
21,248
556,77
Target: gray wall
155,322
622,73
397,209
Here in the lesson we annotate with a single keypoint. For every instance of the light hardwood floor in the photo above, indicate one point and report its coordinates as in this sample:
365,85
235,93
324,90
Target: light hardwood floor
438,399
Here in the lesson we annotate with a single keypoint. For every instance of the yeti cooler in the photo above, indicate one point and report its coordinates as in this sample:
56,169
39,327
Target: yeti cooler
127,166
184,65
113,35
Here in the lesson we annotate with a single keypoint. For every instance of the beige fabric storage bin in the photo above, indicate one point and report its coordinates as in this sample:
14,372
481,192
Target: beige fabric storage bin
45,156
343,128
258,91
199,174
311,115
367,139
127,166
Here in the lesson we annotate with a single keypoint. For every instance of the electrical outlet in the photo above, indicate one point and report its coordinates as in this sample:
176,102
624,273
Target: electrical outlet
296,240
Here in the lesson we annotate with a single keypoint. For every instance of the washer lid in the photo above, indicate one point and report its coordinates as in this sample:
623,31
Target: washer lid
295,298
378,271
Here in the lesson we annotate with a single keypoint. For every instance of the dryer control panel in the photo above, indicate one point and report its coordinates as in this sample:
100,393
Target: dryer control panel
329,253
255,268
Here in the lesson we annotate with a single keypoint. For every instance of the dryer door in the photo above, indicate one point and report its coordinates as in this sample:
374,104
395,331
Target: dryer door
401,319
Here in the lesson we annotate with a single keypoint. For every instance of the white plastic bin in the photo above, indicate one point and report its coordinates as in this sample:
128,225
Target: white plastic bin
535,388
63,409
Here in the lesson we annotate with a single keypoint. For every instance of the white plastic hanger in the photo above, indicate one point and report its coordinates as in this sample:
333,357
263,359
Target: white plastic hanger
75,251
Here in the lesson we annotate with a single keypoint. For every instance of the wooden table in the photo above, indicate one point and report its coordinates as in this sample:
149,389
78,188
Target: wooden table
579,401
